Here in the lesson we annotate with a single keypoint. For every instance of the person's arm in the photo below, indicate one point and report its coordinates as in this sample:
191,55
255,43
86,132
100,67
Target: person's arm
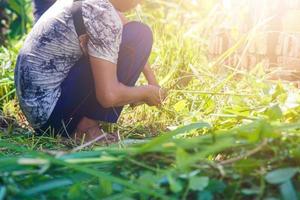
104,30
150,76
111,93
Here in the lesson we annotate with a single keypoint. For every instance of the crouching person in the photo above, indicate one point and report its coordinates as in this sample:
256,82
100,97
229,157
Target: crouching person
67,82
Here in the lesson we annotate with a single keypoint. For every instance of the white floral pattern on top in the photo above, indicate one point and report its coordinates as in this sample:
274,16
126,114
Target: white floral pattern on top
52,48
101,43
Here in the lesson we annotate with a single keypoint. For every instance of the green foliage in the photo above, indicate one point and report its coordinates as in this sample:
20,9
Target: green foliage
281,175
16,17
7,62
131,172
224,133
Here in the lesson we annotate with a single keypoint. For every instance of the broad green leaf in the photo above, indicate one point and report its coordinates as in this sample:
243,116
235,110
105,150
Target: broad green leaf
274,112
117,187
199,183
216,186
205,195
281,175
175,185
287,191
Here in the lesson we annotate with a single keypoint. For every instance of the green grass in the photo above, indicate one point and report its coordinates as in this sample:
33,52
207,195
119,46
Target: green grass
223,133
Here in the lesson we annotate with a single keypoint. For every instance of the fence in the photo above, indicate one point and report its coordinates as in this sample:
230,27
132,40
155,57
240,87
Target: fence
272,33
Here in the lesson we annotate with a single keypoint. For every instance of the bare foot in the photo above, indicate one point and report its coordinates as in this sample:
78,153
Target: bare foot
86,123
89,130
95,135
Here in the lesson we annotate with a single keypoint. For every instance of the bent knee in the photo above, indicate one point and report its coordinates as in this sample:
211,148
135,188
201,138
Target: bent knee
137,32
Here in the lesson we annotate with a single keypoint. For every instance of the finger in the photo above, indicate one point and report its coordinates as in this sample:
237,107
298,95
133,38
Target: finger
83,40
162,96
136,104
83,48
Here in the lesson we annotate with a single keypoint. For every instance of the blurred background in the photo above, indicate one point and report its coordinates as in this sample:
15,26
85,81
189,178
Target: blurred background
272,32
269,29
15,18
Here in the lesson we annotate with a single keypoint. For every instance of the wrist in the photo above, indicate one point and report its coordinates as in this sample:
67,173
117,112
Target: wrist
146,92
154,83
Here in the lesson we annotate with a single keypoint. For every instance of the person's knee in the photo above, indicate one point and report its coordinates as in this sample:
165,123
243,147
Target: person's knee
145,32
135,50
139,34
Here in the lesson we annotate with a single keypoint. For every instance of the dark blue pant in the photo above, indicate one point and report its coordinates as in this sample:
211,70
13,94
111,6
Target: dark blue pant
78,98
40,6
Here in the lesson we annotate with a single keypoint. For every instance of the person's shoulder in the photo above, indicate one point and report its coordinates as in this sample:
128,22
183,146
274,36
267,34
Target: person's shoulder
100,6
104,28
99,14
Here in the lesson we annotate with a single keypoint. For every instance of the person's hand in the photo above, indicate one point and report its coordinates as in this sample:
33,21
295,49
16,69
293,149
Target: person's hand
83,40
155,95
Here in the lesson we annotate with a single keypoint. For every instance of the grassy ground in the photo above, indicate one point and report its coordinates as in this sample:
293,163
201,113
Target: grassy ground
223,132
